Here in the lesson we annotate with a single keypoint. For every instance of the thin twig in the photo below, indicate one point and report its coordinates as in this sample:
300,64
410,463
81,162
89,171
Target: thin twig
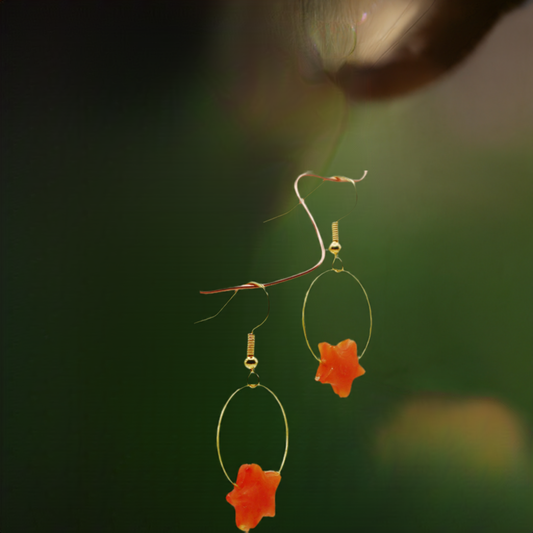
335,179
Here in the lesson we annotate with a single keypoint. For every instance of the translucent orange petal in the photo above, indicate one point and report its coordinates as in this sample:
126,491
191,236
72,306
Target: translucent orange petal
339,366
254,495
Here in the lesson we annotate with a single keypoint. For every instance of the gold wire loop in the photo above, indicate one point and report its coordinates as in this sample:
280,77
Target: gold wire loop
305,303
220,423
336,258
253,385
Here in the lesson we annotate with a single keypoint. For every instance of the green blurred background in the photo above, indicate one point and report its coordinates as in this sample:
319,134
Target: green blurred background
140,158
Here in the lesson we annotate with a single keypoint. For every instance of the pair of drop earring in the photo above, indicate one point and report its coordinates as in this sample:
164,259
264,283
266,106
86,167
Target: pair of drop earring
253,495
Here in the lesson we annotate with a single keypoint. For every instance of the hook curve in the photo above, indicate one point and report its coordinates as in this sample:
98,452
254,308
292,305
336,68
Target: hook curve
338,179
253,284
261,286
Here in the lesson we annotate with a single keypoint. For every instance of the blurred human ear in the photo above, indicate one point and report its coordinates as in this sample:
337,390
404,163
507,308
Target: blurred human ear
402,45
370,49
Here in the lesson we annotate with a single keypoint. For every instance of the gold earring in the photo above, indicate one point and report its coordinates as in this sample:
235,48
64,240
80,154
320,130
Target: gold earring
253,495
339,365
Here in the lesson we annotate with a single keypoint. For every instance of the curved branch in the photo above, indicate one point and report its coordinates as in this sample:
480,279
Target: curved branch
337,179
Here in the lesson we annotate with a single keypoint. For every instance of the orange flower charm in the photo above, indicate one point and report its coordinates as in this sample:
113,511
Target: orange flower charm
339,366
254,496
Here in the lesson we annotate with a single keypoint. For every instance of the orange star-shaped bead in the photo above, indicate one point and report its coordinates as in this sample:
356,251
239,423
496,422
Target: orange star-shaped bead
339,366
254,495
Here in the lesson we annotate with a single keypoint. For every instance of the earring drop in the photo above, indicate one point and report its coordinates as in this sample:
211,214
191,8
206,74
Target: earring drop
338,365
253,495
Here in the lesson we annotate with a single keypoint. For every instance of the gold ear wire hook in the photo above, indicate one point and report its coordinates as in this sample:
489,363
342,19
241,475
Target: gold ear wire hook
353,182
335,246
251,361
261,286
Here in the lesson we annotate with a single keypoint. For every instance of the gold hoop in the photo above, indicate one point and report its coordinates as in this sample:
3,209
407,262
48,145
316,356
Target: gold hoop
338,271
220,423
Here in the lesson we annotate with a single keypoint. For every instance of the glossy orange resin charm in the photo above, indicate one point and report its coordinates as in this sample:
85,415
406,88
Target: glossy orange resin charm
339,366
254,496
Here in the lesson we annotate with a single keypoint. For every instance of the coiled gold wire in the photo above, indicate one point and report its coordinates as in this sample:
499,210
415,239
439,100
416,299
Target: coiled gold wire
335,232
250,351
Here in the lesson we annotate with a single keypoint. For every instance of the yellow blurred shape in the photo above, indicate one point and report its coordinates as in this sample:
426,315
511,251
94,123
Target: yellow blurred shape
479,434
